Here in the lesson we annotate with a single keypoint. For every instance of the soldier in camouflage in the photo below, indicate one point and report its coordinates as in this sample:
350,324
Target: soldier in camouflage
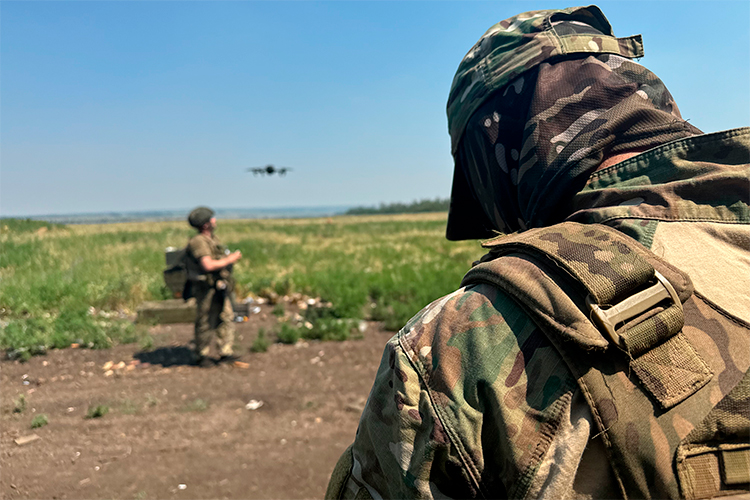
209,269
600,349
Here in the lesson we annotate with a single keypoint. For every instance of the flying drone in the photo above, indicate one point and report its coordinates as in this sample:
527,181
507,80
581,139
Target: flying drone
269,170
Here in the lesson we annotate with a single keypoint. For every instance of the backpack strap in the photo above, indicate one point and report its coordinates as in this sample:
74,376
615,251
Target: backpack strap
595,286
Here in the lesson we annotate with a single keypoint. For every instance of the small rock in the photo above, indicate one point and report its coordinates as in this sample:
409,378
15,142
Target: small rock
223,482
315,360
75,345
109,373
130,368
84,482
318,420
135,362
182,486
253,404
145,365
119,366
71,409
240,364
45,363
283,441
106,366
26,439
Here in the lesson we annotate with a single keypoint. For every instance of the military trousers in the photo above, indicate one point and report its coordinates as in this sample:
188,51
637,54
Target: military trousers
214,317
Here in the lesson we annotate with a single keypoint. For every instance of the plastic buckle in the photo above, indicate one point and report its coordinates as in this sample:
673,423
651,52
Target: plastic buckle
631,307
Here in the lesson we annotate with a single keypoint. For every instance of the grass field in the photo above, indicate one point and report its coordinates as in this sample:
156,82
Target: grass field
384,267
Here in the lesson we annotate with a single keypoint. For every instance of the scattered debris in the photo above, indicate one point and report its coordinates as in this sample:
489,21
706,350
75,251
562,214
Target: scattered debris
253,404
75,345
241,364
182,486
83,482
26,439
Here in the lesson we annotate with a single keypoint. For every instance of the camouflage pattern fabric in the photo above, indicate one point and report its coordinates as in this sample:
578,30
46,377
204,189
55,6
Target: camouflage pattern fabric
214,313
470,394
214,319
515,45
530,148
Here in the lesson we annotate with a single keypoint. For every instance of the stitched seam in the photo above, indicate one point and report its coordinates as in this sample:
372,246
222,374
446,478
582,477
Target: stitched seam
721,311
443,417
688,144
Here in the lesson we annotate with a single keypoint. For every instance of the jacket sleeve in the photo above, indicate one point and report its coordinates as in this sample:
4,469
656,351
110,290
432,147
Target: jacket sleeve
401,449
466,401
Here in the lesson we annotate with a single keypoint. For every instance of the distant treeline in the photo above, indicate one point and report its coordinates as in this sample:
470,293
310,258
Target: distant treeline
436,205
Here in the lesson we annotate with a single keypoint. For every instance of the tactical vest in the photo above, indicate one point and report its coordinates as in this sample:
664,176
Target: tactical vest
197,276
664,371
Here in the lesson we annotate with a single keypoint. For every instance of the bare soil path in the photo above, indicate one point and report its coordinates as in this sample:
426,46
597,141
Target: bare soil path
179,431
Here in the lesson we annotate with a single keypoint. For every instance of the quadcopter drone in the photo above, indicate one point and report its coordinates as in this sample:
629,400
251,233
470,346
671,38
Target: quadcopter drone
269,170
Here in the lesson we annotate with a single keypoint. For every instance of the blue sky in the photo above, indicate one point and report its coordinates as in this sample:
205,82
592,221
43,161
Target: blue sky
123,106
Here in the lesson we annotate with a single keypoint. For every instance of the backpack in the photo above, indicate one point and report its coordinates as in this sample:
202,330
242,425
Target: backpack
176,272
663,370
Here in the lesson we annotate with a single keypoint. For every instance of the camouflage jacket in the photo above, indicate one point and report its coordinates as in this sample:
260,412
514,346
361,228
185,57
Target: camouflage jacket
471,399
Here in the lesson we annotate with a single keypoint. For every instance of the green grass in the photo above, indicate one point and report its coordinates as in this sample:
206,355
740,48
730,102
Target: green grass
19,405
39,421
261,343
197,404
97,411
368,267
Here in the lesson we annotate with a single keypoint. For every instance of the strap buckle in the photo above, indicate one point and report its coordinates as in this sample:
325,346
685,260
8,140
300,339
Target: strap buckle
608,319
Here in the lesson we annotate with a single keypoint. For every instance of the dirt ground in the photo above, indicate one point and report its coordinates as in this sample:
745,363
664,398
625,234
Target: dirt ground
179,431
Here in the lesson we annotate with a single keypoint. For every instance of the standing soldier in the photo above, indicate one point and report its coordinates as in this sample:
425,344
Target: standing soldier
209,268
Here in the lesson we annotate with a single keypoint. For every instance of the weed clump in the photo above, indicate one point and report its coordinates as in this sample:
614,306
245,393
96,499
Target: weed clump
39,421
97,411
261,343
197,404
278,310
288,334
19,405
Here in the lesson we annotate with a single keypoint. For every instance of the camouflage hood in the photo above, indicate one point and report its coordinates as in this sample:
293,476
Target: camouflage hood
531,145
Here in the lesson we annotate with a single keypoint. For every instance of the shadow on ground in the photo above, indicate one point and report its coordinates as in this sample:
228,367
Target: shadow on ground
167,356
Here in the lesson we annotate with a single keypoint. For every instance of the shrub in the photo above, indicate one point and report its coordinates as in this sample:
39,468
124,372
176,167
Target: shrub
97,411
39,421
288,334
261,343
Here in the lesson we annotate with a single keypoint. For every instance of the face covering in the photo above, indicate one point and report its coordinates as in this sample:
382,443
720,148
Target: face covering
533,144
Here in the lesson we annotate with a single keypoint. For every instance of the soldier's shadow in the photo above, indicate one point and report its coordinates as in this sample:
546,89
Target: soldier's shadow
167,356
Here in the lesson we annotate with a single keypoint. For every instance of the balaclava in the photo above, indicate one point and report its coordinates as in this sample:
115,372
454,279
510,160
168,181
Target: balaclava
530,145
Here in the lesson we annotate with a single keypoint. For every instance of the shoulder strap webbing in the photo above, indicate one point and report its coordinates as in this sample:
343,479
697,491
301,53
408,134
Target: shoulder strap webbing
559,276
633,297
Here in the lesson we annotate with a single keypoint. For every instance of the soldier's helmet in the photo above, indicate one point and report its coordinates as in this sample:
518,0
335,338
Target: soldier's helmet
504,53
200,216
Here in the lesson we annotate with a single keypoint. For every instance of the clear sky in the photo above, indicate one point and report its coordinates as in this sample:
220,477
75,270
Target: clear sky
137,105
